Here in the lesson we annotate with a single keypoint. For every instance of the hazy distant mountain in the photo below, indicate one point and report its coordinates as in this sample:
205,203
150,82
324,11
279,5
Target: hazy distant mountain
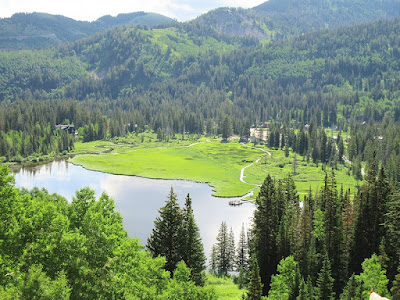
299,16
37,30
280,19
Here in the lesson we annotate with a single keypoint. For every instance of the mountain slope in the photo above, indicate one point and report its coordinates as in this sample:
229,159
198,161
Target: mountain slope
137,60
299,16
281,19
38,30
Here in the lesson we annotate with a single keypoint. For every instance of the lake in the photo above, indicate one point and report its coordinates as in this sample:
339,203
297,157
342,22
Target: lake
138,199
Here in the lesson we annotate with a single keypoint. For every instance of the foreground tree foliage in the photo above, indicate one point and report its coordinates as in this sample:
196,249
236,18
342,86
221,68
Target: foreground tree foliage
52,249
176,237
336,246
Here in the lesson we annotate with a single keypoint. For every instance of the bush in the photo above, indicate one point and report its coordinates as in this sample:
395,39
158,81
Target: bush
18,159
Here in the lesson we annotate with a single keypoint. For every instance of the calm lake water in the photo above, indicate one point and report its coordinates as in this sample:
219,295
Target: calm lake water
138,199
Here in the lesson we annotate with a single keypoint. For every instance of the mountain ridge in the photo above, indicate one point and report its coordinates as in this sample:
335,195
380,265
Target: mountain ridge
39,30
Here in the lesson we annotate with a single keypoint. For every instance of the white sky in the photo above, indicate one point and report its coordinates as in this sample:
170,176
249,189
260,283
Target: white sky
90,10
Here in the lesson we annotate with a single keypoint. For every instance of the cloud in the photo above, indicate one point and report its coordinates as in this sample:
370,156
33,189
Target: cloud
91,10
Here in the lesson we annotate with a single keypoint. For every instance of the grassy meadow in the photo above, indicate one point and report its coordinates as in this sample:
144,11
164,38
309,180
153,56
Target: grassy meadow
204,160
225,288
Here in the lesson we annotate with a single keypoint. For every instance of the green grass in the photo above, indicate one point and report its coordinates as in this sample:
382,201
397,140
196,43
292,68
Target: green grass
225,288
216,163
203,160
308,175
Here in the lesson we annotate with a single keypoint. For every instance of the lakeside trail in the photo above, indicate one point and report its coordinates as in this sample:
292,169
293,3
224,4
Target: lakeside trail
242,171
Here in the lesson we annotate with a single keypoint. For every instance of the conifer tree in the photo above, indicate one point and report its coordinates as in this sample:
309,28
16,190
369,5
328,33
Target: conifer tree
214,260
371,207
325,281
231,250
392,225
242,252
166,238
265,230
304,293
334,240
286,238
222,251
193,252
304,236
255,285
352,290
396,286
348,229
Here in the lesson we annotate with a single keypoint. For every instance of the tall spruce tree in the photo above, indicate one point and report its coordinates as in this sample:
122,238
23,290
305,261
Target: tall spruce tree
231,251
167,237
371,204
303,241
325,281
242,252
286,238
214,260
334,240
265,230
255,286
193,252
222,251
392,239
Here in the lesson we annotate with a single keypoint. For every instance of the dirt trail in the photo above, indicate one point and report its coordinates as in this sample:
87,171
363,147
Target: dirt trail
242,171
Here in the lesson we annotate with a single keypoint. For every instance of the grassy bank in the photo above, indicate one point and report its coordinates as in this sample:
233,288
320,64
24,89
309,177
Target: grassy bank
225,288
216,163
307,175
203,160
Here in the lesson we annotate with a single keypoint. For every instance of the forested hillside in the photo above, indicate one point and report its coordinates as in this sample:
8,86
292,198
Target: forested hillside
298,16
39,30
188,77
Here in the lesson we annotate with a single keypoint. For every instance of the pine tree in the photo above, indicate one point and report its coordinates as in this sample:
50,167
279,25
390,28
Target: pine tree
334,240
325,281
286,238
304,293
348,229
214,260
303,241
396,286
370,216
193,252
392,225
222,251
226,128
265,230
231,251
352,289
242,252
166,238
255,285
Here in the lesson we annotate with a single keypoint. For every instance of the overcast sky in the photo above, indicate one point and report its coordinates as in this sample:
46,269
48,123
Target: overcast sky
90,10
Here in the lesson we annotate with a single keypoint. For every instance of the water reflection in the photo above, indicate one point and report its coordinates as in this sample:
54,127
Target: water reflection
138,199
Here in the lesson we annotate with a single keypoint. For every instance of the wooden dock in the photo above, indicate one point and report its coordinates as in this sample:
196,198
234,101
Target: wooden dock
235,203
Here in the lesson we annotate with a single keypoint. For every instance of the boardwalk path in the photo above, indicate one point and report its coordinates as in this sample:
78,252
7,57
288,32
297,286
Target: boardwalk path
242,171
